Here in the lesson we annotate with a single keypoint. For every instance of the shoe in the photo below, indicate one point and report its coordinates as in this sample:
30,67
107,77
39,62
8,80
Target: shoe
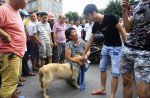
98,92
35,69
18,91
31,74
20,84
22,79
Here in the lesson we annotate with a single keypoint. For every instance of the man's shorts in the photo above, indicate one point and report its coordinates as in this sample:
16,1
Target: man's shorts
113,53
137,61
45,50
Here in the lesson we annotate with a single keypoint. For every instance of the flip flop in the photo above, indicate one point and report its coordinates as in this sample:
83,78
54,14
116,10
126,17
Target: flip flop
35,69
22,79
18,91
31,74
97,92
20,84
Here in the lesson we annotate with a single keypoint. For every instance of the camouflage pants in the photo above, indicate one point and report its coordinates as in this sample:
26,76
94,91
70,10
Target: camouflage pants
137,61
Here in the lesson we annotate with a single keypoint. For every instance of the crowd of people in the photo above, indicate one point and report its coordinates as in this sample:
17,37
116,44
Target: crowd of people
38,37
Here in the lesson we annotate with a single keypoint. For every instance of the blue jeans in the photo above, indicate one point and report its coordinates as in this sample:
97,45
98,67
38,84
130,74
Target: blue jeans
114,53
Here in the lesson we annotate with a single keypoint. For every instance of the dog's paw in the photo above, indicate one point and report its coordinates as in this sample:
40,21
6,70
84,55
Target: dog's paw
46,96
77,87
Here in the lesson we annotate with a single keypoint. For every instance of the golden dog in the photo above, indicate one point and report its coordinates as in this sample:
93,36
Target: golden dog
52,71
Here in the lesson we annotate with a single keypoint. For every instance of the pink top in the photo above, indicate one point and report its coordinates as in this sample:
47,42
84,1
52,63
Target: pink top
59,30
11,22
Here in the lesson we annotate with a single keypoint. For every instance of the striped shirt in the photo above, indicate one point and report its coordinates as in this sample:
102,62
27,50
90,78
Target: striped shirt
43,31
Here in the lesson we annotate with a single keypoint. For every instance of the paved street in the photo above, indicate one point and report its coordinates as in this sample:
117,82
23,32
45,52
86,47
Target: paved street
61,89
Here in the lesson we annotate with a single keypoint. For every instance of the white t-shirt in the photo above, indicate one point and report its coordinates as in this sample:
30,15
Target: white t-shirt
78,29
31,27
88,29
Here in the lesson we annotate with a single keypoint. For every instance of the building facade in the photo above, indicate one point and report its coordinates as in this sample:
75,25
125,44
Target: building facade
49,6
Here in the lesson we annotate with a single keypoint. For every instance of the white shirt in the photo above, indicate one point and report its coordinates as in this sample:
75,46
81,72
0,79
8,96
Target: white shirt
31,27
88,29
78,29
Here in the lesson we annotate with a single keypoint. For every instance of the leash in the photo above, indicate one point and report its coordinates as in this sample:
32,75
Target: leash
71,67
82,80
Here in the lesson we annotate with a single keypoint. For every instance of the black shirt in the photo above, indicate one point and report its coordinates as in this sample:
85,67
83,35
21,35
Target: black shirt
109,30
51,24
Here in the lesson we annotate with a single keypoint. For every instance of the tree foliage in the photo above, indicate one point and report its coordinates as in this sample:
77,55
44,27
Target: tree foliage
113,7
101,11
72,15
132,1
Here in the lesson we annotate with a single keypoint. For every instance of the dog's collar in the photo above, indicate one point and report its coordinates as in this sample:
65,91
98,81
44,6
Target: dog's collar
73,64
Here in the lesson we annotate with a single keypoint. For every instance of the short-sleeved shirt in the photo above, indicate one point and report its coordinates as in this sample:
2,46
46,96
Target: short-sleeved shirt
43,31
79,30
88,29
11,23
109,30
76,49
30,27
139,38
59,30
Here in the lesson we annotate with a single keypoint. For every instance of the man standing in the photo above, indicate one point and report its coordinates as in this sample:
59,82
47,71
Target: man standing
12,45
31,43
59,39
88,29
67,23
83,32
78,28
51,18
136,53
110,27
42,34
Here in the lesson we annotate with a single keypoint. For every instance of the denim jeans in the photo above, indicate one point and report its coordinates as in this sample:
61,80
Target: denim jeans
114,53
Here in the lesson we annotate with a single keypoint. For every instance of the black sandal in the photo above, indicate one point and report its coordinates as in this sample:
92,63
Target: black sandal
35,69
20,84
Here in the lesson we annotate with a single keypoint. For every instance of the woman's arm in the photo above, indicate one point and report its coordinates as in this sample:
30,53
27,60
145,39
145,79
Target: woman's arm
68,56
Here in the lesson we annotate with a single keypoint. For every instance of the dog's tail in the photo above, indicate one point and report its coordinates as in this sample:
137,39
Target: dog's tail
40,76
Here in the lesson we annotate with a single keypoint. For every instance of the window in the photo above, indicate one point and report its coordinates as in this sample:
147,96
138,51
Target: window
34,4
53,7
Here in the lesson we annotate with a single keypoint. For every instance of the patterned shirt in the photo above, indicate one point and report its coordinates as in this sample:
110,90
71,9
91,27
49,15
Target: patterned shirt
140,36
76,49
43,31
